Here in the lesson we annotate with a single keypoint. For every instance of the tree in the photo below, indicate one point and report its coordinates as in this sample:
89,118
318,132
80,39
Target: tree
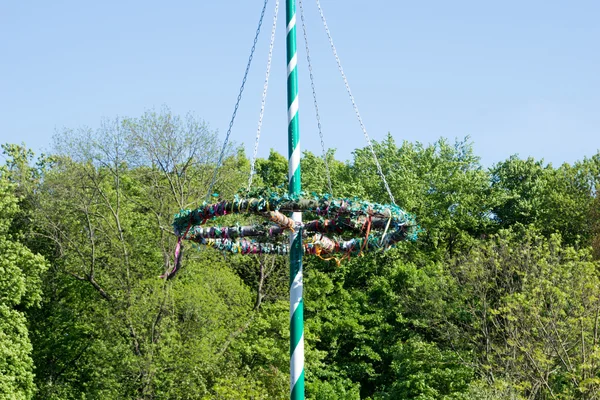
554,200
529,312
20,289
273,171
110,328
497,299
444,185
375,320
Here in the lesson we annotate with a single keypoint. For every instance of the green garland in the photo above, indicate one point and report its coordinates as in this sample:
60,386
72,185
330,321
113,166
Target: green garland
379,226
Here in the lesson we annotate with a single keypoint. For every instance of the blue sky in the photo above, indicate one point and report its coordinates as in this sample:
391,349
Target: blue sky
516,76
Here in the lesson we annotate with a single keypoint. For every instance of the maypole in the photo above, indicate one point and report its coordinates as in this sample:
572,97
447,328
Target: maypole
296,302
385,225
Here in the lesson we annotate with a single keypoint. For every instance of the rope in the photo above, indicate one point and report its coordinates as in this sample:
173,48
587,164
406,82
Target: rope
312,85
264,95
237,103
339,64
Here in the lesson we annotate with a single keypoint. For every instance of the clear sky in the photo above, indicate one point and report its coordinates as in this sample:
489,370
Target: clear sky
516,76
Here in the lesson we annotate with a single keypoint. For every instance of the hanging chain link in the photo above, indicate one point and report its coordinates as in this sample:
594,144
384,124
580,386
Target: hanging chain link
337,59
312,85
237,103
264,95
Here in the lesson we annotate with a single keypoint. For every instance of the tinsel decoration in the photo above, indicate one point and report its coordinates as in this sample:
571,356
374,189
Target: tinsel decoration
335,225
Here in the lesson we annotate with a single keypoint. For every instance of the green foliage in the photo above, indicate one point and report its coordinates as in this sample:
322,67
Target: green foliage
16,365
261,351
443,184
333,390
554,200
373,319
530,307
522,184
238,387
273,171
423,371
20,289
499,298
594,218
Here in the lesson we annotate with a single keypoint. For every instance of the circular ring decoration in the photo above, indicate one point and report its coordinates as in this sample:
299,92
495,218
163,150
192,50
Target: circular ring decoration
335,225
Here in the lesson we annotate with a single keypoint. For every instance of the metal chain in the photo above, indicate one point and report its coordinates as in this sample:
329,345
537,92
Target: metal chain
337,59
237,103
312,85
264,95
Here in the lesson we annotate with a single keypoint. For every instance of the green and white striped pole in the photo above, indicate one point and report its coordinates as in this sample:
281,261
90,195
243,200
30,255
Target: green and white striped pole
296,303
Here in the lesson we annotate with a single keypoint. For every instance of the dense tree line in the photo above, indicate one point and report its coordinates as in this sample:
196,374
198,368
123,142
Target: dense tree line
498,299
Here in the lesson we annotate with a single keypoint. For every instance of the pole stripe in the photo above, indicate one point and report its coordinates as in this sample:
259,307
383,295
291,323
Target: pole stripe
292,112
297,339
294,164
298,389
297,369
296,292
291,23
292,63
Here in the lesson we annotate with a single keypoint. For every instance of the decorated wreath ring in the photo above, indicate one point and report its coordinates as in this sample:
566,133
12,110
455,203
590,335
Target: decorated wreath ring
335,226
